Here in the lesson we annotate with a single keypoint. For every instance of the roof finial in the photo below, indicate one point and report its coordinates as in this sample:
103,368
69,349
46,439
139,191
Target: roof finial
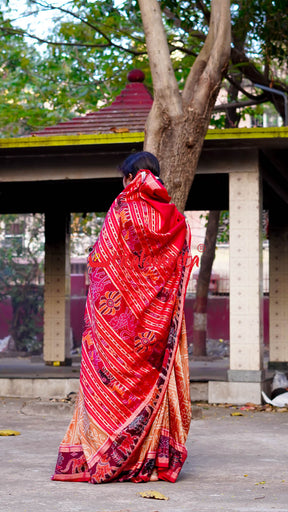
136,75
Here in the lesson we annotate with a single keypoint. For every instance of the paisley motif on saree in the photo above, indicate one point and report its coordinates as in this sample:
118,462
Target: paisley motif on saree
133,410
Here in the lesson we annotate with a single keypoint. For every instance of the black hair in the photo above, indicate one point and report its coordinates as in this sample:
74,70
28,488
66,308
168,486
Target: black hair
139,161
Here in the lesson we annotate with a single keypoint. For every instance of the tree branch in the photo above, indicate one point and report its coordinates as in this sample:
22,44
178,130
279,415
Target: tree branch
91,25
75,44
85,22
240,104
166,91
74,15
179,24
204,10
241,89
96,28
251,72
182,49
209,67
20,32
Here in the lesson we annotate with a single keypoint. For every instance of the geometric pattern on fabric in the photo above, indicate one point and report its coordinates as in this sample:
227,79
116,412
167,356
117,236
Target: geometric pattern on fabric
133,411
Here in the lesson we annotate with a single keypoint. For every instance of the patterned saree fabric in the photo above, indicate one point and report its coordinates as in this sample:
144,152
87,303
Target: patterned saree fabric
132,415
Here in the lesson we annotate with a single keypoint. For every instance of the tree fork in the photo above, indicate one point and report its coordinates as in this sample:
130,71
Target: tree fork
178,150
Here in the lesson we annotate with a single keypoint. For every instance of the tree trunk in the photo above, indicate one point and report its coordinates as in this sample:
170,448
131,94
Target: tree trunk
177,123
200,304
178,149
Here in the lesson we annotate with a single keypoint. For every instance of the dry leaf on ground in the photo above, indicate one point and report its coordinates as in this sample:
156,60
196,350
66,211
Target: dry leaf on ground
154,495
9,433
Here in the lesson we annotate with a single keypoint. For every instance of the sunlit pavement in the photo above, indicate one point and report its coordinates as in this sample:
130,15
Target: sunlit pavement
235,463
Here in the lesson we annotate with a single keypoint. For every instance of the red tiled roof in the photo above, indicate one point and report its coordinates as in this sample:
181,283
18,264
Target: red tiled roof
127,113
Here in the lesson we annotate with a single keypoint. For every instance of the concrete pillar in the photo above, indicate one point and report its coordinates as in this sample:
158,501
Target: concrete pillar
278,296
246,319
245,375
57,288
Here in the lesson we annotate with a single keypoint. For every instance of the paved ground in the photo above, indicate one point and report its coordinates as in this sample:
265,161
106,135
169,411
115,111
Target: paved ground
235,463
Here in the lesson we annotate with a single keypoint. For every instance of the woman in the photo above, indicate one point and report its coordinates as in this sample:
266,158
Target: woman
133,411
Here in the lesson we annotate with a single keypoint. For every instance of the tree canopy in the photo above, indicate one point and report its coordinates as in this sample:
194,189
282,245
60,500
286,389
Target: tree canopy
93,44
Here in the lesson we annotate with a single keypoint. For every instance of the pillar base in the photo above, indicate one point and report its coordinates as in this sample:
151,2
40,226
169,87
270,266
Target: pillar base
237,393
245,375
278,365
67,362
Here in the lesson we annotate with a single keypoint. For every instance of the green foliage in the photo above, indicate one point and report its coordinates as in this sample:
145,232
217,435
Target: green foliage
218,120
94,44
21,265
21,269
85,227
268,27
27,327
85,65
223,228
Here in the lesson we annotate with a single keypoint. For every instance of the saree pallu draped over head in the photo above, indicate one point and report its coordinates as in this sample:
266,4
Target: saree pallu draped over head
133,411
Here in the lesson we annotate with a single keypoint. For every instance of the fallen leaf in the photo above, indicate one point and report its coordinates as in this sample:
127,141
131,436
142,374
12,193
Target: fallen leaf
236,414
154,495
203,405
248,408
9,433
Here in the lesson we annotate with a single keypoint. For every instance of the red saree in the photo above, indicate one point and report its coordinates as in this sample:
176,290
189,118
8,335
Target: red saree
133,411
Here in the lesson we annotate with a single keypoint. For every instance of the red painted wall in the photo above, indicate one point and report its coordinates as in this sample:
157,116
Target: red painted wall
217,314
218,318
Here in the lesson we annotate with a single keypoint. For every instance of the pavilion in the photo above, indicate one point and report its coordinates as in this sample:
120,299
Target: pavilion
72,167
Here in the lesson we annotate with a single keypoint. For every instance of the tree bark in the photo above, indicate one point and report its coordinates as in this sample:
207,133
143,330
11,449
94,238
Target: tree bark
177,124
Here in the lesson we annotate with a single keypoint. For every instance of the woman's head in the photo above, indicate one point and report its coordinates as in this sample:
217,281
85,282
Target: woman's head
137,162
